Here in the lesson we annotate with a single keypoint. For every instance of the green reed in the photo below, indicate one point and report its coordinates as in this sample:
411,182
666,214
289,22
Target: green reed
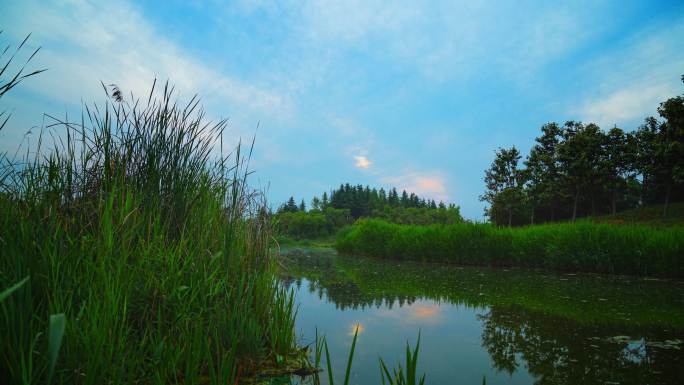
398,376
583,246
144,236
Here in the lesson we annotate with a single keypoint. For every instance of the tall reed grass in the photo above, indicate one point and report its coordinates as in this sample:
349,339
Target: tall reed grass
147,239
584,246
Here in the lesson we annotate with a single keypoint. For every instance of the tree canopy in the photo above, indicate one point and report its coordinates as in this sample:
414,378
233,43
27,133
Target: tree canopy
577,170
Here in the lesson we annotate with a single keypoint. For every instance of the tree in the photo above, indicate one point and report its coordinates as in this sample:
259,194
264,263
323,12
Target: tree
302,206
404,202
579,154
291,206
503,183
542,171
582,170
645,161
616,162
316,204
383,196
670,145
393,198
324,201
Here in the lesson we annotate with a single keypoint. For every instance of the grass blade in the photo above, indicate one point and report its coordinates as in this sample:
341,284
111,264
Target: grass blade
55,332
7,292
351,356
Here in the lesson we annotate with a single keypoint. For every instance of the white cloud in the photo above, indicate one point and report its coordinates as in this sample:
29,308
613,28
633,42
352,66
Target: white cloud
634,78
85,43
362,162
428,184
446,40
627,104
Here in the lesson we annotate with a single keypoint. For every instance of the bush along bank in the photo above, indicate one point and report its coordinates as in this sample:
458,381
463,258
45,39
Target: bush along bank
577,247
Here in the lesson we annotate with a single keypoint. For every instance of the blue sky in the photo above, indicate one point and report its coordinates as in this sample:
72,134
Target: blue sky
416,95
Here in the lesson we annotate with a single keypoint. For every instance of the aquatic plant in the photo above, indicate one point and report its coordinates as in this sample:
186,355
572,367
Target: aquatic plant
582,246
401,375
144,242
398,376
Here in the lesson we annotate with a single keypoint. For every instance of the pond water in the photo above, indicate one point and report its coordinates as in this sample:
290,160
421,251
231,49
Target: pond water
510,326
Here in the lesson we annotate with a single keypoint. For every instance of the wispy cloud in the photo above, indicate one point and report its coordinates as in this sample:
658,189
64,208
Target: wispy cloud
85,43
633,79
627,104
429,184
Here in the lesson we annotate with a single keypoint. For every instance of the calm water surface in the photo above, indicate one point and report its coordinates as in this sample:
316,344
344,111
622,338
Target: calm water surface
512,326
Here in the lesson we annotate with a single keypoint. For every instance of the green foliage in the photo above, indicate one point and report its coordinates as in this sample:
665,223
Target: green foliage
328,360
349,203
10,80
401,376
55,335
151,257
7,292
419,215
651,215
312,224
504,185
583,246
580,170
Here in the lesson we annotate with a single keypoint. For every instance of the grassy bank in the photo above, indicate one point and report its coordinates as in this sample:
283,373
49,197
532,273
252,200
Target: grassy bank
145,259
583,246
652,215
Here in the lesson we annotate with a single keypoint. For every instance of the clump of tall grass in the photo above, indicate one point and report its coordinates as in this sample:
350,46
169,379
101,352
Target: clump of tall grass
403,375
397,376
149,242
584,246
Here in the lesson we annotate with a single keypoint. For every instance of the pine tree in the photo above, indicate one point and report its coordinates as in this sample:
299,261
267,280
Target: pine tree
324,201
404,199
291,206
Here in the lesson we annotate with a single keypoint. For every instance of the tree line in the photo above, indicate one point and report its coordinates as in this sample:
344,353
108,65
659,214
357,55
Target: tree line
577,170
364,201
348,203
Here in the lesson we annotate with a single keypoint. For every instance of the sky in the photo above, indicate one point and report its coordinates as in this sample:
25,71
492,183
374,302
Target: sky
416,95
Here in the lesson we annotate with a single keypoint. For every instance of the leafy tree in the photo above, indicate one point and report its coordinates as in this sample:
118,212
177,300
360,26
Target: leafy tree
542,171
616,163
581,170
645,160
579,154
503,181
670,145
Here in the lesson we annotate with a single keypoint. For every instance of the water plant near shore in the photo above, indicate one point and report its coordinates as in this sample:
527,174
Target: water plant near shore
148,240
583,246
398,376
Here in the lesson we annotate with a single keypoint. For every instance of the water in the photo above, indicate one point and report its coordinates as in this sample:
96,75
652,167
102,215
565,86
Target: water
512,326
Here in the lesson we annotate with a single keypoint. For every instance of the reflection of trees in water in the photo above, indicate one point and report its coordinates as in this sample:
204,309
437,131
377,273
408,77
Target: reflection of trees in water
558,351
348,296
553,348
